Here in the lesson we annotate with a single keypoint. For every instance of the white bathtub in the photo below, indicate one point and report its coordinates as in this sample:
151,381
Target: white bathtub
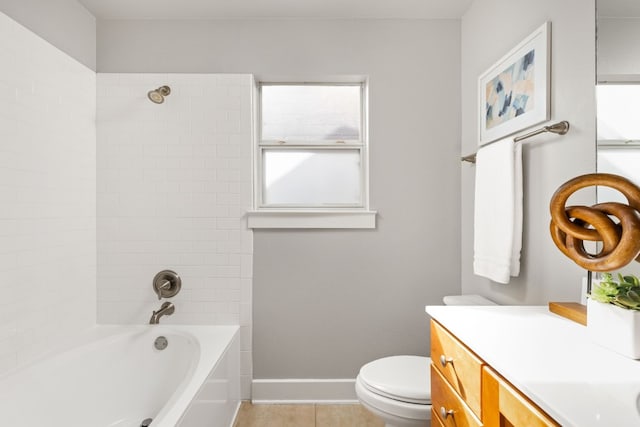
115,377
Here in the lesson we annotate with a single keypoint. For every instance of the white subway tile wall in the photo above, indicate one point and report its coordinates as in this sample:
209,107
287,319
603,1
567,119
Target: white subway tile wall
174,183
47,195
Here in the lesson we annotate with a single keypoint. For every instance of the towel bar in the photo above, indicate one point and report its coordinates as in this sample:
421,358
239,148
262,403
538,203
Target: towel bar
559,128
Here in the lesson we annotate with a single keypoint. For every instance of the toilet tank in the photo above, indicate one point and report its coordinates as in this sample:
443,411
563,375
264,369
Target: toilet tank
466,300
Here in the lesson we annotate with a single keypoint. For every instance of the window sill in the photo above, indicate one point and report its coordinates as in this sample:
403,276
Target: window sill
311,219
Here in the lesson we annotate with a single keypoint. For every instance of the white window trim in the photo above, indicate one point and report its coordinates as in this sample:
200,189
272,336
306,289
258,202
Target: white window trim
312,217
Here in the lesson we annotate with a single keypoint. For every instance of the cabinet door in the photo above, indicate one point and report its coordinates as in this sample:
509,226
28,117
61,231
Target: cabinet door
504,406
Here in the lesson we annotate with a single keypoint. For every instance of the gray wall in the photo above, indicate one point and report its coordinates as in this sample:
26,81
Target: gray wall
66,24
325,302
490,28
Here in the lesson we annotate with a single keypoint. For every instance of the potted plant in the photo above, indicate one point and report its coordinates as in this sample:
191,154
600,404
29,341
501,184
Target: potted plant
613,319
624,294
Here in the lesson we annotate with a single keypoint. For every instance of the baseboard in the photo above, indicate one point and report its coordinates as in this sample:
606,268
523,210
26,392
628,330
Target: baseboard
235,414
296,390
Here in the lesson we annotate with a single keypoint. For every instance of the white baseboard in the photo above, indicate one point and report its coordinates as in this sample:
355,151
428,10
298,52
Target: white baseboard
235,414
301,391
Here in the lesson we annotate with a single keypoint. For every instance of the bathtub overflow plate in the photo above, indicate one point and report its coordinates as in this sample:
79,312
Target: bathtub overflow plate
161,343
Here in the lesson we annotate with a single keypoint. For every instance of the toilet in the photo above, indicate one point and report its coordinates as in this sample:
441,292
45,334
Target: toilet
397,389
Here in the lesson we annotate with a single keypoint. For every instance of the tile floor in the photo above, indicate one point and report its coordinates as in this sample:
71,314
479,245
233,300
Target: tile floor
251,415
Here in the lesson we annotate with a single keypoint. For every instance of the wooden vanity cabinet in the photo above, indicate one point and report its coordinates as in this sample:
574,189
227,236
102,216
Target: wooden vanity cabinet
456,379
461,368
465,391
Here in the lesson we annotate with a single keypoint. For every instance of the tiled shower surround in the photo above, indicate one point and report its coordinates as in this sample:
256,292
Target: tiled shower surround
47,195
173,185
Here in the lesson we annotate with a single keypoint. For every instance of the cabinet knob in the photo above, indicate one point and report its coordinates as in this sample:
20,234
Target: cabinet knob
444,413
444,360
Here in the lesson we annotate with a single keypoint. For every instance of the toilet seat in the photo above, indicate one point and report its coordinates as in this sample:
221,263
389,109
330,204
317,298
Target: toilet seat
401,378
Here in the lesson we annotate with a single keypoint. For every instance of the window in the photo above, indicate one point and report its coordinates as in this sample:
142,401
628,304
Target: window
311,154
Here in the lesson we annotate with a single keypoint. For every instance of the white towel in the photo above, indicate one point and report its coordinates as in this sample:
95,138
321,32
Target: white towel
498,211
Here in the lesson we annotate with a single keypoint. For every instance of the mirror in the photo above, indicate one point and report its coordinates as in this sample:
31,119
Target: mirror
618,95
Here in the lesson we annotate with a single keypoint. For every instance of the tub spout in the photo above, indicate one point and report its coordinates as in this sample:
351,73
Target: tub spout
166,309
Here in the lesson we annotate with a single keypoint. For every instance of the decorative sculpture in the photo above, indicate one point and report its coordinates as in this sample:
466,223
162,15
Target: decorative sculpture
572,225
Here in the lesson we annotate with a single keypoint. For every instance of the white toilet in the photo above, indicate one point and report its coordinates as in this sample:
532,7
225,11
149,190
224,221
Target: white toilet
398,388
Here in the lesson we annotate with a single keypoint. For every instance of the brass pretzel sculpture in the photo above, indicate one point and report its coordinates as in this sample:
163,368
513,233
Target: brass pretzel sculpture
571,226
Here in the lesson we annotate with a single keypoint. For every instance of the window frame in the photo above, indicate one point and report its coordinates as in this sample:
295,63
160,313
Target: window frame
308,216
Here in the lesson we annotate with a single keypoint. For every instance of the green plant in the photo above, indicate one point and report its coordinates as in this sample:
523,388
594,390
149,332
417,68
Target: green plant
624,293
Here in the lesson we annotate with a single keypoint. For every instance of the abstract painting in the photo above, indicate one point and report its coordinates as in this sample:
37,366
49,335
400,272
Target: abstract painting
514,92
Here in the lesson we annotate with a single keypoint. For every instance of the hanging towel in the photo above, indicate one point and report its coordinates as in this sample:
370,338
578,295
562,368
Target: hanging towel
498,211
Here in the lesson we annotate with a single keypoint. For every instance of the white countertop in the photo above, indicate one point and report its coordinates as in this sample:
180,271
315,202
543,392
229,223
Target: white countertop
552,361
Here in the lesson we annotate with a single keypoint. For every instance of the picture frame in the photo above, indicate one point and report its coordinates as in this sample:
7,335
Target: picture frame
515,92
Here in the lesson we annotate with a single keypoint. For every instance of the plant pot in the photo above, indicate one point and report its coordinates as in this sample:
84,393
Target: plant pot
615,328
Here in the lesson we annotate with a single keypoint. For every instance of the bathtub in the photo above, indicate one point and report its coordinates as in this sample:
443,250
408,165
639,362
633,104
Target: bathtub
113,376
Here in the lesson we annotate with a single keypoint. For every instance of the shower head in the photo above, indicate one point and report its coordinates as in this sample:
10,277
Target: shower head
157,95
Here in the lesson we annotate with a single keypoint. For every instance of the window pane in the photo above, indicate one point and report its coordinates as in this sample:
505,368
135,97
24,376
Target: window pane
621,161
312,178
307,112
617,106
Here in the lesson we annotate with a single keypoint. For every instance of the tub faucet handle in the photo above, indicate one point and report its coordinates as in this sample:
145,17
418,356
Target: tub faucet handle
166,284
163,285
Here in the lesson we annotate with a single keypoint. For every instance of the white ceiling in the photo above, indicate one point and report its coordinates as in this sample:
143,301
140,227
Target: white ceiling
266,9
618,8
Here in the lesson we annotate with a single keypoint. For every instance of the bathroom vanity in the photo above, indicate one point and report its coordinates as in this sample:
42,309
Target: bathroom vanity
523,366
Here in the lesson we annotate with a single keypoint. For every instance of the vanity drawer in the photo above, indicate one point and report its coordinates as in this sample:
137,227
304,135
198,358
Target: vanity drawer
445,401
461,368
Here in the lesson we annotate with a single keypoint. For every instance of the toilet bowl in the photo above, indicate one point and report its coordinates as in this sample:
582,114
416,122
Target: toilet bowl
398,388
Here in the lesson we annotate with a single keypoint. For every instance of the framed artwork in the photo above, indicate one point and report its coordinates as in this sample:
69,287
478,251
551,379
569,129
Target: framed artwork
515,91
